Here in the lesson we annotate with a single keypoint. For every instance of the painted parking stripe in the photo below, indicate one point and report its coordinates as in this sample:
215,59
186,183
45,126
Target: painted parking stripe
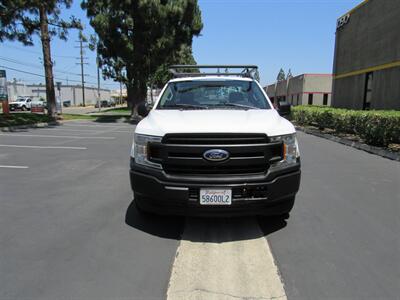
74,130
43,147
90,130
14,167
229,259
61,136
91,125
121,131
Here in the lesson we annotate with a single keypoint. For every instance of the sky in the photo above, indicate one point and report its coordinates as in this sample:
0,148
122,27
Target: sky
273,34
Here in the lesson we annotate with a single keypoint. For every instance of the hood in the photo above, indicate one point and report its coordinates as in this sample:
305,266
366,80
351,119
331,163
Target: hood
161,122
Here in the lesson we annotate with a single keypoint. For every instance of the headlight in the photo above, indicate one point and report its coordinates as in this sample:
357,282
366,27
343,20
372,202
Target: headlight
140,149
291,151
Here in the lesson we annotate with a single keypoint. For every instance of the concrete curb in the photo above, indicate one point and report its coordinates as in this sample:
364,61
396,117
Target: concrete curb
35,125
370,149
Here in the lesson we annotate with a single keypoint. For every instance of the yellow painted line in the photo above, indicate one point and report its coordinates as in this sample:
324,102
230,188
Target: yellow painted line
355,8
224,259
367,70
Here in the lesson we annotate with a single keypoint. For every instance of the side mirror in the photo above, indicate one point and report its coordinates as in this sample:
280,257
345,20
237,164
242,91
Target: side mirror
142,109
284,108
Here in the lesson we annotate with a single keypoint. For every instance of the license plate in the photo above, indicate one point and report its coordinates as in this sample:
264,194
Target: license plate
215,196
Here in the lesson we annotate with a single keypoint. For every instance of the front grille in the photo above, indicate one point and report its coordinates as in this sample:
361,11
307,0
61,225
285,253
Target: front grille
183,153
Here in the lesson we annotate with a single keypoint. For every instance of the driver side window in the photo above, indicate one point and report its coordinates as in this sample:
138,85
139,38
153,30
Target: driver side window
167,97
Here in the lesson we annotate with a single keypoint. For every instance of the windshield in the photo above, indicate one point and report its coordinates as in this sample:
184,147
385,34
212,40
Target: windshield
224,94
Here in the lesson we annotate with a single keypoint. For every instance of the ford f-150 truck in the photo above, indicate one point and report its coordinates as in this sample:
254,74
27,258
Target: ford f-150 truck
214,145
23,103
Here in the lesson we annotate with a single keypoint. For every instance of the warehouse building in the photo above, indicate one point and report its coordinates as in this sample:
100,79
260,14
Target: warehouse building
367,57
311,89
72,93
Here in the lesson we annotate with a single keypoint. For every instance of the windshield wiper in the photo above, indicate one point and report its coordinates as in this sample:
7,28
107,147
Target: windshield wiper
185,106
238,105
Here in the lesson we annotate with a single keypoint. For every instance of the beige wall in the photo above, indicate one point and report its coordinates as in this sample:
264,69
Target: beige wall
68,92
297,89
368,42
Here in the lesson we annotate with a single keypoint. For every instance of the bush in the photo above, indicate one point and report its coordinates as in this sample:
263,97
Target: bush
15,119
375,127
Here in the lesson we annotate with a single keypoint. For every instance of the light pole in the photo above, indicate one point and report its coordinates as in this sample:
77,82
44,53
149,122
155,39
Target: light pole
58,83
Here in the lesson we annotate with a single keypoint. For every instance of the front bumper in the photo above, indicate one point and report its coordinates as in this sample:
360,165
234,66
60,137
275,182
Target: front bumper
269,194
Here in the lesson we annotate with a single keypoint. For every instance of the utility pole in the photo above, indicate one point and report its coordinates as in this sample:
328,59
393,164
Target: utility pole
81,47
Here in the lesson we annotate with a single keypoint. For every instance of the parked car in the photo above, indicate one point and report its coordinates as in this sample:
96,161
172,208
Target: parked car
21,103
112,102
215,145
105,103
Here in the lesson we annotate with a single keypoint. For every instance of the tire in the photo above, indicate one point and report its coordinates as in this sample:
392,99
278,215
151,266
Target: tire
139,208
24,108
285,215
284,212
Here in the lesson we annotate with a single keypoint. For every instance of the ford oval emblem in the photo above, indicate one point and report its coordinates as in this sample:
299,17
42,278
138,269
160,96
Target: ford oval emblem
216,155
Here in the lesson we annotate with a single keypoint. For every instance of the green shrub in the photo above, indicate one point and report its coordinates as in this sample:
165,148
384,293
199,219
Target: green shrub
375,127
15,119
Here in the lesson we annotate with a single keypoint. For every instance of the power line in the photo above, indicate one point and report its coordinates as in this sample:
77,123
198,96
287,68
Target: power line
35,74
35,66
36,52
40,75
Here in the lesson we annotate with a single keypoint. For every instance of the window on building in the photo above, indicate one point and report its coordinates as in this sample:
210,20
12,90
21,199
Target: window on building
310,99
325,100
368,90
298,96
292,100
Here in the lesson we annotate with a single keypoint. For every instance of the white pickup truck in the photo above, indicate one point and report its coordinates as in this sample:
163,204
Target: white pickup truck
213,144
21,103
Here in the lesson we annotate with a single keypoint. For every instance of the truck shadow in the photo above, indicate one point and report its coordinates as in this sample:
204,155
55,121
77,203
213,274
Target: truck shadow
204,230
169,227
115,119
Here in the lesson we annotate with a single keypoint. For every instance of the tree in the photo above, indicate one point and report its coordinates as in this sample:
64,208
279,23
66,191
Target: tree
183,56
136,37
289,74
21,19
281,75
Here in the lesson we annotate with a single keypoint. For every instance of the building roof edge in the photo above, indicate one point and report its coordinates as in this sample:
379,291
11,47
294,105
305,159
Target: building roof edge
354,8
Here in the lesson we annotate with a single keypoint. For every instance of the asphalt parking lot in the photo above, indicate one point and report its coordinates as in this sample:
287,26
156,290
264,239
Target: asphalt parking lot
69,229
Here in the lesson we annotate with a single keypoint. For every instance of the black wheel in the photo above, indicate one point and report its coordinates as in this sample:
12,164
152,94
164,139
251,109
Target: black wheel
137,199
284,216
284,211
